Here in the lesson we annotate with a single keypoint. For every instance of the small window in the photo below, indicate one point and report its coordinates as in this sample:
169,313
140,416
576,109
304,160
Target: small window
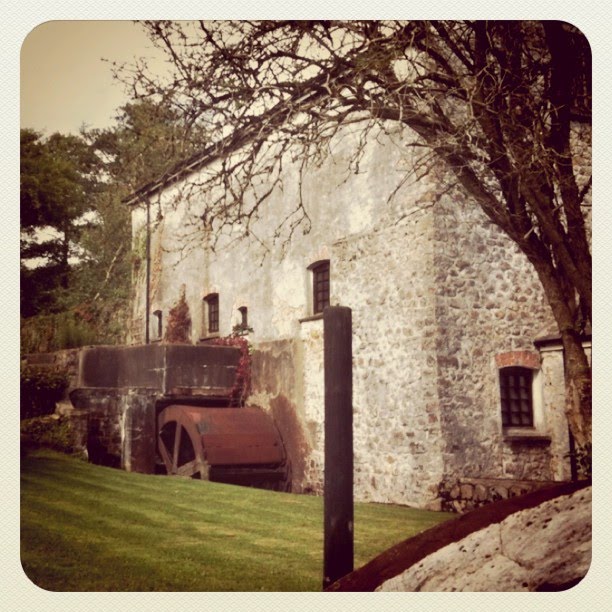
244,318
242,327
320,286
157,325
212,312
515,385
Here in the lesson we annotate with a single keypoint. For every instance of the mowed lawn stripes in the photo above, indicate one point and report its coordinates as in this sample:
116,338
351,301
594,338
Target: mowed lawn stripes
90,528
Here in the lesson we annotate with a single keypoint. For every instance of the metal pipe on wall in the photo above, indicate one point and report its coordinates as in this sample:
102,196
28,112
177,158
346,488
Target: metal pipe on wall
148,274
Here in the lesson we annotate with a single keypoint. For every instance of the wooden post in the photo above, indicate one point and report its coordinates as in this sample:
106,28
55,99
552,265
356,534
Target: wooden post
338,488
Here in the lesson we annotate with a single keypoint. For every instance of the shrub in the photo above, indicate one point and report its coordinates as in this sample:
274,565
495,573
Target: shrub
242,383
179,322
50,432
102,322
43,333
41,388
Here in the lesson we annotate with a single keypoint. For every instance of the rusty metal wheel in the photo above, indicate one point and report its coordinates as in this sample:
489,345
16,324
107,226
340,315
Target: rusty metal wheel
180,445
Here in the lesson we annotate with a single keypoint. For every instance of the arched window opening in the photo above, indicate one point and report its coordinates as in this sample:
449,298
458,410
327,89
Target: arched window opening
242,326
157,325
320,285
244,318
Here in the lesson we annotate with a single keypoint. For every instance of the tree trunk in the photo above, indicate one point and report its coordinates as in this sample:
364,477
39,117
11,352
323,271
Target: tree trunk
577,370
578,395
65,255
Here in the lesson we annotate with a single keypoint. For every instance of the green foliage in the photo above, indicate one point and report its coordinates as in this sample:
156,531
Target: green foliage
63,330
88,263
56,433
146,142
583,457
58,180
40,389
102,322
73,333
240,330
139,249
39,289
110,530
85,263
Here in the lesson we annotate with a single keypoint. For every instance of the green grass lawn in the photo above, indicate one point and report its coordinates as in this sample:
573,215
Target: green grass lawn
90,528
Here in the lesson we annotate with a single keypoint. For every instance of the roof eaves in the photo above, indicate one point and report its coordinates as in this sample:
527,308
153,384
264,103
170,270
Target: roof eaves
179,170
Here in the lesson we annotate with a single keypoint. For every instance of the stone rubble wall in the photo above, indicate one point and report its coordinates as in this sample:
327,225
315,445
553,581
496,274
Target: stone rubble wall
384,276
436,293
469,493
266,270
488,301
392,464
311,336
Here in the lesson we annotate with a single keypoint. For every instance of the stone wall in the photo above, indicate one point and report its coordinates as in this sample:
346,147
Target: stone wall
120,426
271,278
469,493
103,414
436,291
311,337
384,276
277,388
488,301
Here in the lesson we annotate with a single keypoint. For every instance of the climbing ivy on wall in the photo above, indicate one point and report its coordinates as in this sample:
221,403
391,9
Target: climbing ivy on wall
178,329
242,383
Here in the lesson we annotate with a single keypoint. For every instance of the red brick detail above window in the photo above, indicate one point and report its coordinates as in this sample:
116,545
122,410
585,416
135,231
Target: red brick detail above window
524,359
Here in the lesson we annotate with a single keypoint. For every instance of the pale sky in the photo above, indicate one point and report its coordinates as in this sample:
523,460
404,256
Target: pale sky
65,83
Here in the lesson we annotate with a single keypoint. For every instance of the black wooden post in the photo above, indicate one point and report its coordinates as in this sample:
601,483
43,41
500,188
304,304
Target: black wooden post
338,488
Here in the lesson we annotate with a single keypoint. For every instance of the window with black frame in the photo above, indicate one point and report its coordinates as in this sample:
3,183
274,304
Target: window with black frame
320,286
515,384
212,312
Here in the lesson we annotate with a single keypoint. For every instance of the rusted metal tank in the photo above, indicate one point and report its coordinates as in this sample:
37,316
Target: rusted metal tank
231,445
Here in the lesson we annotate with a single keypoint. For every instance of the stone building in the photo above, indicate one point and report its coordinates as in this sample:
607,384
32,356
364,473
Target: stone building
457,384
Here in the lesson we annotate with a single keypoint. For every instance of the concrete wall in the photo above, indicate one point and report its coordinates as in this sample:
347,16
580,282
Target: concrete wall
120,425
117,392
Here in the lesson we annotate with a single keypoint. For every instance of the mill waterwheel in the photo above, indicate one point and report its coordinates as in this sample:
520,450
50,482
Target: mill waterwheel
231,445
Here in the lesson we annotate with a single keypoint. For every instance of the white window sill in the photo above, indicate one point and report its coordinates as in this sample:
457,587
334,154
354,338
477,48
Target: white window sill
210,337
316,317
525,435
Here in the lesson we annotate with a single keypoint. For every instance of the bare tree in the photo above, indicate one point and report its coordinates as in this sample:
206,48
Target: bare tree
501,104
